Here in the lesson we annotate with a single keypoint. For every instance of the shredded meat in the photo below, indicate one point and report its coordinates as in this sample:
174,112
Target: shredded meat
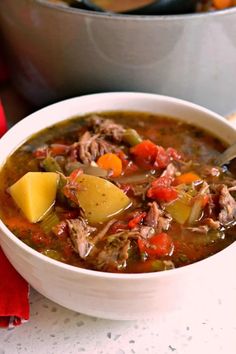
107,127
146,231
79,232
157,218
115,252
228,206
104,230
90,147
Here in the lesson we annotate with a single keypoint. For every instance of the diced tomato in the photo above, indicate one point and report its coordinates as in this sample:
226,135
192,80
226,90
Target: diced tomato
58,149
149,155
41,152
162,159
173,154
128,166
162,190
74,174
165,194
159,245
136,220
146,150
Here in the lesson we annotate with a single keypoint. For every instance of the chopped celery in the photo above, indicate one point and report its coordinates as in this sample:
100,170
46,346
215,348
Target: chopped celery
52,254
196,211
180,209
132,137
51,165
49,222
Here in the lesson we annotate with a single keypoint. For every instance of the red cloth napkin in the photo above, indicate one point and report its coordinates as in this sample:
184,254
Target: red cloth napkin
14,290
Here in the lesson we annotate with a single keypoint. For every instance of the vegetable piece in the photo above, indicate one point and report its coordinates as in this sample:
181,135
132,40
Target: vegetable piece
145,150
161,190
35,193
52,254
49,221
51,165
187,178
132,137
99,198
136,220
180,209
111,162
149,155
93,170
158,245
222,4
197,208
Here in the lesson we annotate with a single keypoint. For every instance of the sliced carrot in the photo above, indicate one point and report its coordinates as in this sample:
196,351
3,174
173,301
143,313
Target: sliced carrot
186,178
222,4
111,162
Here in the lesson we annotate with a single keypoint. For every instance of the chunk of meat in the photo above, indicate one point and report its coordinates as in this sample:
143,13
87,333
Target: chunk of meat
79,232
107,127
114,253
228,206
90,147
146,231
157,218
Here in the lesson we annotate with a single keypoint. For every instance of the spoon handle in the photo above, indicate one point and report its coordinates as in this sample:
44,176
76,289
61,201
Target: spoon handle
228,155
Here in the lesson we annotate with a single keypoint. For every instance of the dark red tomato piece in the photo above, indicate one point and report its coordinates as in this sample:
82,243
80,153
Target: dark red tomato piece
144,154
159,245
162,190
145,150
162,159
41,152
58,149
173,154
136,220
164,194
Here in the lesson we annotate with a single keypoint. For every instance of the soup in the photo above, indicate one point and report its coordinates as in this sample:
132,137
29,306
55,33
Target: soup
120,192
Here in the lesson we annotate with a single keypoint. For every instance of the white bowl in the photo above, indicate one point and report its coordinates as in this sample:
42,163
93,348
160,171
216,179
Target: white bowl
120,296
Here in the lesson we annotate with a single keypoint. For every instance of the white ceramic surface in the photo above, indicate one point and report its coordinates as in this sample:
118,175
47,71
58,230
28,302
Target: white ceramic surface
56,52
120,296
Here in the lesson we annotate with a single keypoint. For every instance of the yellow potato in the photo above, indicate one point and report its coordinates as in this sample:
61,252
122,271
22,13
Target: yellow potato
100,199
35,193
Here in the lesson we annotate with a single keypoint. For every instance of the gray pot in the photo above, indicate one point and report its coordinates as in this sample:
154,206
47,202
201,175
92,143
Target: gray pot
57,52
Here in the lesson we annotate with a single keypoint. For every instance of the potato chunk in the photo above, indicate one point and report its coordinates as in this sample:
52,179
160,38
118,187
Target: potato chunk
35,193
100,199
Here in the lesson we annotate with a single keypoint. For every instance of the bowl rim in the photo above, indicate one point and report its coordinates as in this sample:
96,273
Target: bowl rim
127,17
95,273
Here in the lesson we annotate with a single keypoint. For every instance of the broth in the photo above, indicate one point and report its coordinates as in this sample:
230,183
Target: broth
176,200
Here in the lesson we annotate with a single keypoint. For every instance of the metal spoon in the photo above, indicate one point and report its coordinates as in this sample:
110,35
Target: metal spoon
156,7
227,156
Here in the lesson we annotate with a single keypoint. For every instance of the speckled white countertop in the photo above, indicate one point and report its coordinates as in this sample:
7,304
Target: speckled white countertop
53,329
